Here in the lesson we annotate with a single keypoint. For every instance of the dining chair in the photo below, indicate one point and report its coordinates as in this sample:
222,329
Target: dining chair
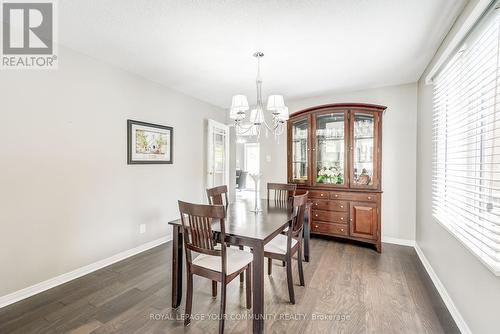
215,261
281,192
283,247
218,195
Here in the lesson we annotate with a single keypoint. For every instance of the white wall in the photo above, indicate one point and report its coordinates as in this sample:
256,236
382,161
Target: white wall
67,196
474,290
398,153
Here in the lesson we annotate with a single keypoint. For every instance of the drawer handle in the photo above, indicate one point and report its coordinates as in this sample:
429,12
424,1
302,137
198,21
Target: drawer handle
369,197
316,204
341,218
341,230
336,195
316,215
350,219
321,194
316,226
341,206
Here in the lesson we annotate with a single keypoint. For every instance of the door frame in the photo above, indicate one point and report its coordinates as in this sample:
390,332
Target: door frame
211,125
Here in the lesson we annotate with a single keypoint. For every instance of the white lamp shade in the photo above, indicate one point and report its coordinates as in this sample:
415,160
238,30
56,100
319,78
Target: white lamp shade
275,103
238,107
239,103
283,115
257,116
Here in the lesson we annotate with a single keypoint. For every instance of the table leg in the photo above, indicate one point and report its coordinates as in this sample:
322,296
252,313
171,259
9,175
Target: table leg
258,288
307,234
177,267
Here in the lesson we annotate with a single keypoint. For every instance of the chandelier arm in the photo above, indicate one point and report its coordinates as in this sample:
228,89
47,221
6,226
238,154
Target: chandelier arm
242,129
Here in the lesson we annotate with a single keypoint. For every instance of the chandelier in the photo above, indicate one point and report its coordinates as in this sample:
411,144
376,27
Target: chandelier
275,105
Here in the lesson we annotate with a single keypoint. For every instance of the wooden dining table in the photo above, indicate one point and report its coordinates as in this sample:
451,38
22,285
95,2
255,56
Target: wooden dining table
246,228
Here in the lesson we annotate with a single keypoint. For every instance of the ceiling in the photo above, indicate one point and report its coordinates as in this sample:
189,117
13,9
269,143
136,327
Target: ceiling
204,48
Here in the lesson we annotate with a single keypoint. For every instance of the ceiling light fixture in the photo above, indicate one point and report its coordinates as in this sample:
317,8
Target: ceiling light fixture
275,104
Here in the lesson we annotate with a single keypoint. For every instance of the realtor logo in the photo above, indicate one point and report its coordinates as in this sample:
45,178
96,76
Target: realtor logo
28,35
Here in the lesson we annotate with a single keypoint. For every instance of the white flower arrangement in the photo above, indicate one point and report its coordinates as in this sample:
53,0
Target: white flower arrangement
331,174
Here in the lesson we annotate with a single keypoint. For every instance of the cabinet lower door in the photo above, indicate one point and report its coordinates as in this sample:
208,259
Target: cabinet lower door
363,220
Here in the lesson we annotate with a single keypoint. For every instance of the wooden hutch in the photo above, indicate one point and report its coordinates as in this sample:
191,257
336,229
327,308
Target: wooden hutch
334,152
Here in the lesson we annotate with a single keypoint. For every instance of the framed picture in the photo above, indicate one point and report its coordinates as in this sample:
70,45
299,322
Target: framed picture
149,143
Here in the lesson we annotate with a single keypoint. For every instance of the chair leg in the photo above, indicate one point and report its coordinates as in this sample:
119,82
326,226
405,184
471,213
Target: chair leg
248,287
242,276
214,288
269,266
289,278
222,305
189,299
299,265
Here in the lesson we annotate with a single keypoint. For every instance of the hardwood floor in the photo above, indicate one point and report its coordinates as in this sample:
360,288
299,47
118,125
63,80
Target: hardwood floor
349,289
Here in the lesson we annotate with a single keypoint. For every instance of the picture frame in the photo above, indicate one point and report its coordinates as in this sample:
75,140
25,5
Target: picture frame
149,143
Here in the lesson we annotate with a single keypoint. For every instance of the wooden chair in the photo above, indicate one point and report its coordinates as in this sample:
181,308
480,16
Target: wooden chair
281,192
283,247
282,195
215,196
215,262
218,195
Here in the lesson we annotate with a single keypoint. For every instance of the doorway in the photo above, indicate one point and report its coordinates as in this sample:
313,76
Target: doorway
247,162
217,154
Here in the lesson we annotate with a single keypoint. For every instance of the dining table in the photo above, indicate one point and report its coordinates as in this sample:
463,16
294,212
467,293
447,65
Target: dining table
243,227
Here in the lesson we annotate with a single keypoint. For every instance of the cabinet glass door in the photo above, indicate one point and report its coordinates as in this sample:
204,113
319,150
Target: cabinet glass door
330,149
363,150
299,143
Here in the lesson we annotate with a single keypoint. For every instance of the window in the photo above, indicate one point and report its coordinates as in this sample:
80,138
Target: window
466,139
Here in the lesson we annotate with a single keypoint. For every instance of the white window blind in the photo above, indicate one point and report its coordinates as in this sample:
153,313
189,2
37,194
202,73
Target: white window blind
466,138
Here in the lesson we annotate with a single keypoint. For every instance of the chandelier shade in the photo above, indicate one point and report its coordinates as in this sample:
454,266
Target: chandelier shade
238,107
257,116
283,114
275,103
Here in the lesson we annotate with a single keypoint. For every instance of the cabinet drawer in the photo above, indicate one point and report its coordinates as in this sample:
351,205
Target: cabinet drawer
330,216
329,228
319,194
361,197
329,205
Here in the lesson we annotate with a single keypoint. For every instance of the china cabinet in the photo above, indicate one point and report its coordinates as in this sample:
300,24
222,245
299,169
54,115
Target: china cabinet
334,152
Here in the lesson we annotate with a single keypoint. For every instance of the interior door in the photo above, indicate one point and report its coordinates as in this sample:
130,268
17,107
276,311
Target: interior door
217,154
363,220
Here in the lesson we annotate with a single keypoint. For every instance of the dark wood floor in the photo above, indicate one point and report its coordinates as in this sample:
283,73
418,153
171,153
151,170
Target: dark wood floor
349,289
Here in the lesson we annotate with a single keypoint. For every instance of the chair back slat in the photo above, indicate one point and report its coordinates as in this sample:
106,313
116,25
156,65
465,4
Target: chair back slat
197,220
282,192
217,195
299,205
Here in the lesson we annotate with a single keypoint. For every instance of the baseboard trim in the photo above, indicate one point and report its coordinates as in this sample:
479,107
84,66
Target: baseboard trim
397,241
64,278
459,320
